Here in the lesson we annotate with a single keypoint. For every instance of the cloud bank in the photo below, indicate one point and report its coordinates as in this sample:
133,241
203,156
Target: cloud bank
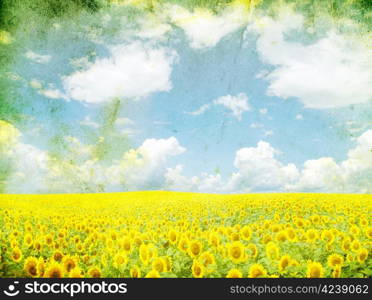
258,169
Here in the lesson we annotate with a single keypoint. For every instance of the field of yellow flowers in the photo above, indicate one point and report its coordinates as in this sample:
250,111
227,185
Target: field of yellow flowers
163,234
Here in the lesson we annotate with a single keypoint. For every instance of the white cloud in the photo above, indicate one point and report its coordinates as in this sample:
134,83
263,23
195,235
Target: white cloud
333,71
201,110
360,157
237,104
52,93
130,132
156,150
24,164
319,173
148,167
79,169
38,58
36,84
152,27
203,28
258,169
351,175
206,183
145,167
256,125
175,180
89,122
299,117
124,121
131,71
263,111
268,133
161,123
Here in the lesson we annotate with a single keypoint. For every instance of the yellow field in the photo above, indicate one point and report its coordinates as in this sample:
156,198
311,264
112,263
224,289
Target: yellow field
163,234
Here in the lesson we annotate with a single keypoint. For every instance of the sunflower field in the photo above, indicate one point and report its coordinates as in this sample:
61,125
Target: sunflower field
163,234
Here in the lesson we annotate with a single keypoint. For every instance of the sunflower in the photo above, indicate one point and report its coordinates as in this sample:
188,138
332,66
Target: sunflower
336,273
236,252
363,222
137,241
172,236
48,239
113,235
54,270
76,239
14,235
28,241
28,227
266,239
76,273
159,265
197,269
256,271
94,272
235,236
252,250
354,230
37,245
109,244
246,233
168,263
369,232
291,234
349,257
62,234
40,267
57,256
294,263
329,247
214,239
144,254
311,235
362,255
120,259
346,245
355,245
272,251
234,273
153,274
69,263
314,270
152,251
275,228
14,243
135,272
207,258
300,222
16,254
183,244
335,261
126,244
195,247
315,219
30,266
284,262
281,236
86,259
327,236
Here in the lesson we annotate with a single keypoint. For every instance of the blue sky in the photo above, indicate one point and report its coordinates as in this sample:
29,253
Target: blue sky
297,110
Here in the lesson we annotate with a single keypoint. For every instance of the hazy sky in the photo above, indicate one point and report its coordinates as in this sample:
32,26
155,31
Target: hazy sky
242,99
